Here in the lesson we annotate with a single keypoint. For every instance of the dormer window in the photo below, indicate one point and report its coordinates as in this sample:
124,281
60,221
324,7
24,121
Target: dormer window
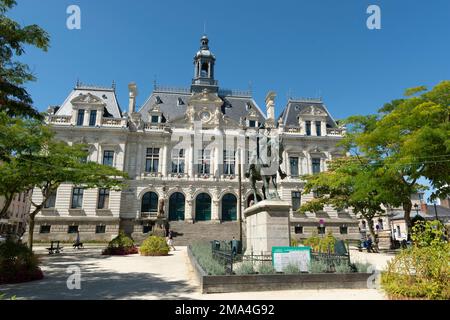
155,119
252,123
158,100
248,106
180,102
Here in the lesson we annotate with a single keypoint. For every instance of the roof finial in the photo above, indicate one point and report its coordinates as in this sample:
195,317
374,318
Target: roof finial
204,27
78,82
114,85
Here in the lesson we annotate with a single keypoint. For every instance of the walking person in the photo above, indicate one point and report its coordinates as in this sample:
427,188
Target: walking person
170,240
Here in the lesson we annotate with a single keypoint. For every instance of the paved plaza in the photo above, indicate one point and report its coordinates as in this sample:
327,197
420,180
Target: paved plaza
137,277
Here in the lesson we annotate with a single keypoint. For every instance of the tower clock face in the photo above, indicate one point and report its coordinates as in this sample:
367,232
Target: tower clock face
205,115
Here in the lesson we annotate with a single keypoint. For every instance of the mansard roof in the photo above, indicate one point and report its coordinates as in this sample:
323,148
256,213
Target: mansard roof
234,105
297,107
92,95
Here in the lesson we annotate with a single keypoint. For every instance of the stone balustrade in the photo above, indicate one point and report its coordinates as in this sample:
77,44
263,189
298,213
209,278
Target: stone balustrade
60,120
114,122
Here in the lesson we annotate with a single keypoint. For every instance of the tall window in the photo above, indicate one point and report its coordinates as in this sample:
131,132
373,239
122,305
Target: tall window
50,203
178,161
80,117
92,118
293,161
308,128
108,157
315,165
149,202
318,128
229,159
103,199
296,200
205,161
77,198
152,160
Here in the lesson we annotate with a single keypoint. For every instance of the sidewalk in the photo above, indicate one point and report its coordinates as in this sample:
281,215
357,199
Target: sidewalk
138,277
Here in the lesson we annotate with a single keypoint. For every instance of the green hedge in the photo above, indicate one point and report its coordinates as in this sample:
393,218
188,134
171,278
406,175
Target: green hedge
154,246
120,245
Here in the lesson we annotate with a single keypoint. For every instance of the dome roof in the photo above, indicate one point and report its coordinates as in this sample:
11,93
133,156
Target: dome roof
204,53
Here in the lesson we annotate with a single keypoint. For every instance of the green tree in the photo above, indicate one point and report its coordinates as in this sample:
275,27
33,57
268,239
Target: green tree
408,139
32,158
61,163
349,183
14,98
20,140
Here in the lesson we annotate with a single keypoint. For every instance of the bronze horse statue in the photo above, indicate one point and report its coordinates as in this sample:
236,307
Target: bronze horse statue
258,171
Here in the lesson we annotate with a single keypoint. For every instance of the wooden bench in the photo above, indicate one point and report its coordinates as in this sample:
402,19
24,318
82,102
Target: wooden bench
54,247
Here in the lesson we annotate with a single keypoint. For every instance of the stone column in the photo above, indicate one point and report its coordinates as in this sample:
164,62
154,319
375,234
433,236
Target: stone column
139,160
188,211
164,161
313,128
215,211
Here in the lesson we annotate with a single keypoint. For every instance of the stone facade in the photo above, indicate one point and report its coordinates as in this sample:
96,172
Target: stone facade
184,146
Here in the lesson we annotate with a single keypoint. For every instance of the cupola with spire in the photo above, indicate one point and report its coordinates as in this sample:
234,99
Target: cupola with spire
204,68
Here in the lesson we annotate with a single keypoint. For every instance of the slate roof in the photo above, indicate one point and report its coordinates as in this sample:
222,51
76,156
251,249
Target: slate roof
295,107
107,95
234,107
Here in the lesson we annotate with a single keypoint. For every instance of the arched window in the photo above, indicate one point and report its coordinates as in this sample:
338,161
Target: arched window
204,70
203,207
229,207
149,203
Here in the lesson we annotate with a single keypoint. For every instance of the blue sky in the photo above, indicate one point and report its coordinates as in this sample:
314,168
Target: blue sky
304,48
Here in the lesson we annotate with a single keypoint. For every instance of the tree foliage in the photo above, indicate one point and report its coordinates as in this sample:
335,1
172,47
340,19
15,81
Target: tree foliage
14,98
408,139
350,182
33,158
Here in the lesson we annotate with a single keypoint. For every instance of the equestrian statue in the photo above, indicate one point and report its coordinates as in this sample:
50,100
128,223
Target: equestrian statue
267,165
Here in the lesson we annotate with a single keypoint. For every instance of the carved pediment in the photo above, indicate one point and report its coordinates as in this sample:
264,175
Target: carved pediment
89,99
313,111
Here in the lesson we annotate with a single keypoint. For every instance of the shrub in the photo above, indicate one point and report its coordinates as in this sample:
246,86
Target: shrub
294,243
266,268
291,269
317,266
245,267
203,254
327,243
318,244
120,245
343,267
18,263
421,271
154,246
361,267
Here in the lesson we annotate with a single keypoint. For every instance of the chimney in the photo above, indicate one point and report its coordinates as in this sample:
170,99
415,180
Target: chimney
133,93
445,202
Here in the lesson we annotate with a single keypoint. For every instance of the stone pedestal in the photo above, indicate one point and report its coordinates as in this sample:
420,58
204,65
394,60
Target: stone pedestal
267,225
384,240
